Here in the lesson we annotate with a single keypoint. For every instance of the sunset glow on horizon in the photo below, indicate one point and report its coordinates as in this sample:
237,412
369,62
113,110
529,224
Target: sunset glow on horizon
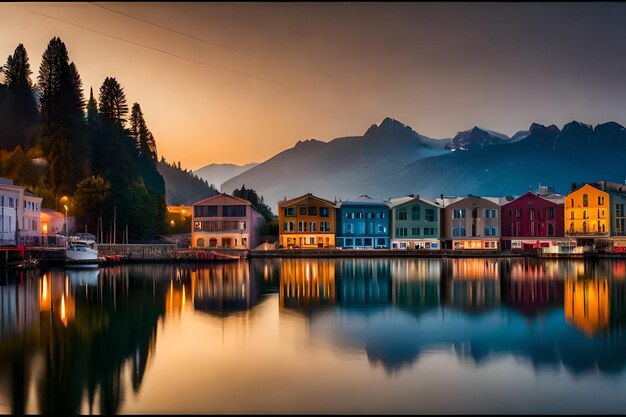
241,82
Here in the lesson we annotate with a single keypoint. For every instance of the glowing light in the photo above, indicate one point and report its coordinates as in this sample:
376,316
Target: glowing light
63,318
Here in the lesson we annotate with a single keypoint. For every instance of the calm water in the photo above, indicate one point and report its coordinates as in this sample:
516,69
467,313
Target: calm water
317,336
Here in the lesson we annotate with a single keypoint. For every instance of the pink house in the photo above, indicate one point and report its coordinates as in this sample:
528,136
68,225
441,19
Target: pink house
532,221
224,221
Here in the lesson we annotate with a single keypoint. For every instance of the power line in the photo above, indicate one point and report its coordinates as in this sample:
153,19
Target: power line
147,46
170,29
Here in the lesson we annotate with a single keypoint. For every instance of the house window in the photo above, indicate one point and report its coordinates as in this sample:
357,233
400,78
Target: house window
415,213
585,200
312,211
324,226
415,231
381,228
487,230
493,213
358,215
550,229
401,231
234,211
458,231
550,213
486,213
284,226
584,227
303,211
585,214
367,241
301,226
494,231
429,215
311,241
571,215
459,214
348,227
290,211
292,226
474,213
313,227
401,214
518,213
510,213
324,212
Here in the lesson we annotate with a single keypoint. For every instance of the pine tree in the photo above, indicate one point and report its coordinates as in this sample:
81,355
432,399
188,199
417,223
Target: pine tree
18,109
63,131
112,107
92,110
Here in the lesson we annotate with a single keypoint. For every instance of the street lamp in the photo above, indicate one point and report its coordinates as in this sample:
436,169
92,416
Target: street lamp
66,231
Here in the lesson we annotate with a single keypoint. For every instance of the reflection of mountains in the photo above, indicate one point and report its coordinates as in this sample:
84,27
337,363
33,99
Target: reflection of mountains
376,303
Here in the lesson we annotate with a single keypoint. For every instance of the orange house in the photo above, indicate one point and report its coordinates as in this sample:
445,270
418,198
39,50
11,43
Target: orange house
587,212
306,222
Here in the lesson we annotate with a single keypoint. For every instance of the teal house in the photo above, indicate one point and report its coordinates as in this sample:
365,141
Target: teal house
415,223
362,223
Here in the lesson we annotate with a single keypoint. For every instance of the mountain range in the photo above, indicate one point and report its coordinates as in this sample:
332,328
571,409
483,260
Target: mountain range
391,159
216,174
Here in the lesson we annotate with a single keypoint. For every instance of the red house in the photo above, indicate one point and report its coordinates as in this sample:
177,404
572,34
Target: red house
532,221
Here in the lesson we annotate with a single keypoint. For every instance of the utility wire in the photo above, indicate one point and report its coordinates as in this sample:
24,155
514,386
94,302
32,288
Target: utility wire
147,46
170,29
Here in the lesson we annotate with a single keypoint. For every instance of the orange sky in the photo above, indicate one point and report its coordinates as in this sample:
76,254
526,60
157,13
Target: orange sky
293,71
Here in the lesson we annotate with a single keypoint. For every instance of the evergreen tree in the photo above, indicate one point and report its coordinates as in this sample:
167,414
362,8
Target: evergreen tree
113,108
18,109
92,110
139,132
62,133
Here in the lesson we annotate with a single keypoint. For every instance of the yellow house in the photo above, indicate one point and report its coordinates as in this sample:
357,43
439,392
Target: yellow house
306,222
587,212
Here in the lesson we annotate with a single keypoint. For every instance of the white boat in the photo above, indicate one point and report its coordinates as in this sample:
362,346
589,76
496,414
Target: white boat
82,248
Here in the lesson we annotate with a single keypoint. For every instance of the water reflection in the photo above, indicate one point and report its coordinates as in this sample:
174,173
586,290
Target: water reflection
71,341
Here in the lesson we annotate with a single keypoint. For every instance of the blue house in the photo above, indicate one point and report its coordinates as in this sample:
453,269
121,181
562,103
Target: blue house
362,223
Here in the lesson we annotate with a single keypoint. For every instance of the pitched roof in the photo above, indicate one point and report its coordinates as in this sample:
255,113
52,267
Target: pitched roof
399,201
303,197
222,196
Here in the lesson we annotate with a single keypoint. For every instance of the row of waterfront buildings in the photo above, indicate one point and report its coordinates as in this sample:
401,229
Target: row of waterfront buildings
590,215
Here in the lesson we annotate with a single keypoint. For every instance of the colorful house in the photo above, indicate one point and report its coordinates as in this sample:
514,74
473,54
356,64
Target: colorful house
306,222
532,221
362,223
224,221
414,223
471,223
587,212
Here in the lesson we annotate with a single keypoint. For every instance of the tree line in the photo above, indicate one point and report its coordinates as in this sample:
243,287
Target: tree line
57,143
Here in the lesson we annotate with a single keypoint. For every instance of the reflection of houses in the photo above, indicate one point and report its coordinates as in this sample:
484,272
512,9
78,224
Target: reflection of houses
531,288
363,282
363,223
306,222
532,221
416,284
224,288
471,284
19,308
225,221
586,305
471,223
415,223
306,283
